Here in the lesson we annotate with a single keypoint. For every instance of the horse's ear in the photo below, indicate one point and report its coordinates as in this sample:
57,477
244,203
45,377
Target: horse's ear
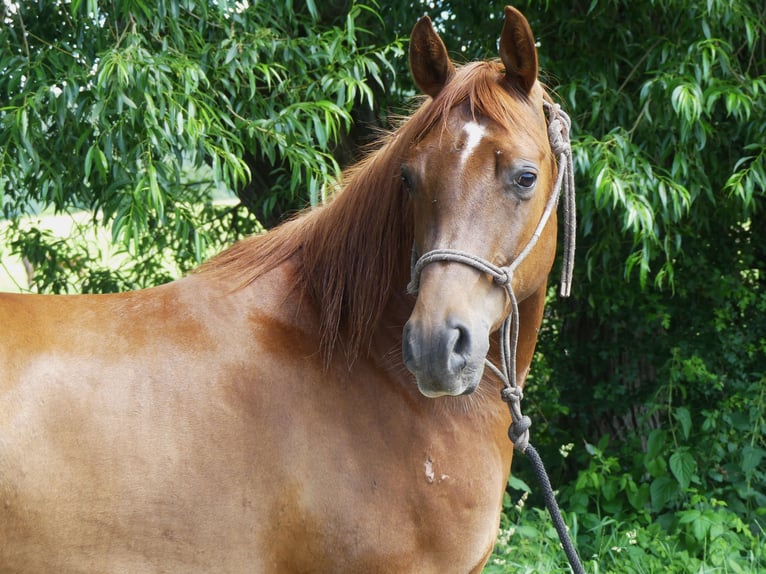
517,50
430,65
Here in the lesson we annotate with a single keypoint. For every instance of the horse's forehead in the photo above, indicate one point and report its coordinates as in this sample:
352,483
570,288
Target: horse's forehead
474,132
470,135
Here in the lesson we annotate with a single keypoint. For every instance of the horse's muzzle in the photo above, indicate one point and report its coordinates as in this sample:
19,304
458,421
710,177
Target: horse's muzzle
447,359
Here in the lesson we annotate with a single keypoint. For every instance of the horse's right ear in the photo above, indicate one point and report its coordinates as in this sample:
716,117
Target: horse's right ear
430,65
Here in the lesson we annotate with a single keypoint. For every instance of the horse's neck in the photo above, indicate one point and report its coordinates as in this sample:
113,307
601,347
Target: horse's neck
355,262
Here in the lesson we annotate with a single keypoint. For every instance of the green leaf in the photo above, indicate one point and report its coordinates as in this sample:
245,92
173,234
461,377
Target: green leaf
517,484
751,458
661,491
609,489
683,466
655,443
89,162
638,497
312,7
684,418
689,516
231,53
74,8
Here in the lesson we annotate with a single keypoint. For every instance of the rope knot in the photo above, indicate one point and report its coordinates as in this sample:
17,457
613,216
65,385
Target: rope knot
518,432
504,276
558,130
511,394
558,137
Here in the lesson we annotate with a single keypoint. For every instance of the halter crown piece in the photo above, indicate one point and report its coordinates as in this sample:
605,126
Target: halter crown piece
558,135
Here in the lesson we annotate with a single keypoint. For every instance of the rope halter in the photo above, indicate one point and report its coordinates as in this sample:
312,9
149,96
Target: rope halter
558,135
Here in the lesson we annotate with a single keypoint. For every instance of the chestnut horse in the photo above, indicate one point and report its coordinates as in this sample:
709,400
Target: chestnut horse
257,415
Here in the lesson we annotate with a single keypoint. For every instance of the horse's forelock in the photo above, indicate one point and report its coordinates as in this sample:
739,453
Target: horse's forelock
484,88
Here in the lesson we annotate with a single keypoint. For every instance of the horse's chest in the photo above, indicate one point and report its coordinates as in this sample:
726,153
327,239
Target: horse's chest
383,494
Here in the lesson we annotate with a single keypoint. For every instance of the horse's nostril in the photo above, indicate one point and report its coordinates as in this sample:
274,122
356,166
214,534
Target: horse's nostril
463,342
459,348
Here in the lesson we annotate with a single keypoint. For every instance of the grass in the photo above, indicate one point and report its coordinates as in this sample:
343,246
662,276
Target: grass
528,544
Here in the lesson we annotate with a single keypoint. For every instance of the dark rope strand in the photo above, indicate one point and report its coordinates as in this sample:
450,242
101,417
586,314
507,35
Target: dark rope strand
553,510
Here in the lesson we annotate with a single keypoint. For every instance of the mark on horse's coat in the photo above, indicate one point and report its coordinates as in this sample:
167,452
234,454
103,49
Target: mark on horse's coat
475,133
429,470
431,475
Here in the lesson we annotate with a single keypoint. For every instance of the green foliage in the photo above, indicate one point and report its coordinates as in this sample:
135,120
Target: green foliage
679,458
688,475
85,261
695,70
608,515
111,107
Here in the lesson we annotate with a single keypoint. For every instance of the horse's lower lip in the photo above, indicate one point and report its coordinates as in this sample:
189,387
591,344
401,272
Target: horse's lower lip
437,393
434,394
464,384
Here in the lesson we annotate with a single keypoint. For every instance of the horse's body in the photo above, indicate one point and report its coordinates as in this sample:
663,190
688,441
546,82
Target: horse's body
188,434
255,416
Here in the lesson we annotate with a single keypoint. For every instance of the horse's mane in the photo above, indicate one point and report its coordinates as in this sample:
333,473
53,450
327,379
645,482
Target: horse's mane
352,255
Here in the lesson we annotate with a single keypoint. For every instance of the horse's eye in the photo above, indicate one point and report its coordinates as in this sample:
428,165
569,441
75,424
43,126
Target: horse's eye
526,180
520,178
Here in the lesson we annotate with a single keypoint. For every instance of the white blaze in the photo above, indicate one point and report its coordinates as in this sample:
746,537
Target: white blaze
475,132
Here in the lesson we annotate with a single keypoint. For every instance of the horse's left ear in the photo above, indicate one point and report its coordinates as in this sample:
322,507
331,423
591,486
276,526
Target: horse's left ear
429,62
517,50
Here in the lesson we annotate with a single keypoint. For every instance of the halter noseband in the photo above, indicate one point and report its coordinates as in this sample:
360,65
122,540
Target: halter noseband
558,135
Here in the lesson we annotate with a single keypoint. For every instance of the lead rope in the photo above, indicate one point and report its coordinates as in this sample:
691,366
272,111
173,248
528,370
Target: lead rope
558,134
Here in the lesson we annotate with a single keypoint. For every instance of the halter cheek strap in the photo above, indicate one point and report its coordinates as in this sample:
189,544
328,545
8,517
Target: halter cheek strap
558,135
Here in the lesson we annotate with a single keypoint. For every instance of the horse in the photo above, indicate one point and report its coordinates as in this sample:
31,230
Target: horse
290,406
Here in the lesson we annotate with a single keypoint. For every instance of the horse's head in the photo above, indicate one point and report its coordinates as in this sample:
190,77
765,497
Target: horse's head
479,174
